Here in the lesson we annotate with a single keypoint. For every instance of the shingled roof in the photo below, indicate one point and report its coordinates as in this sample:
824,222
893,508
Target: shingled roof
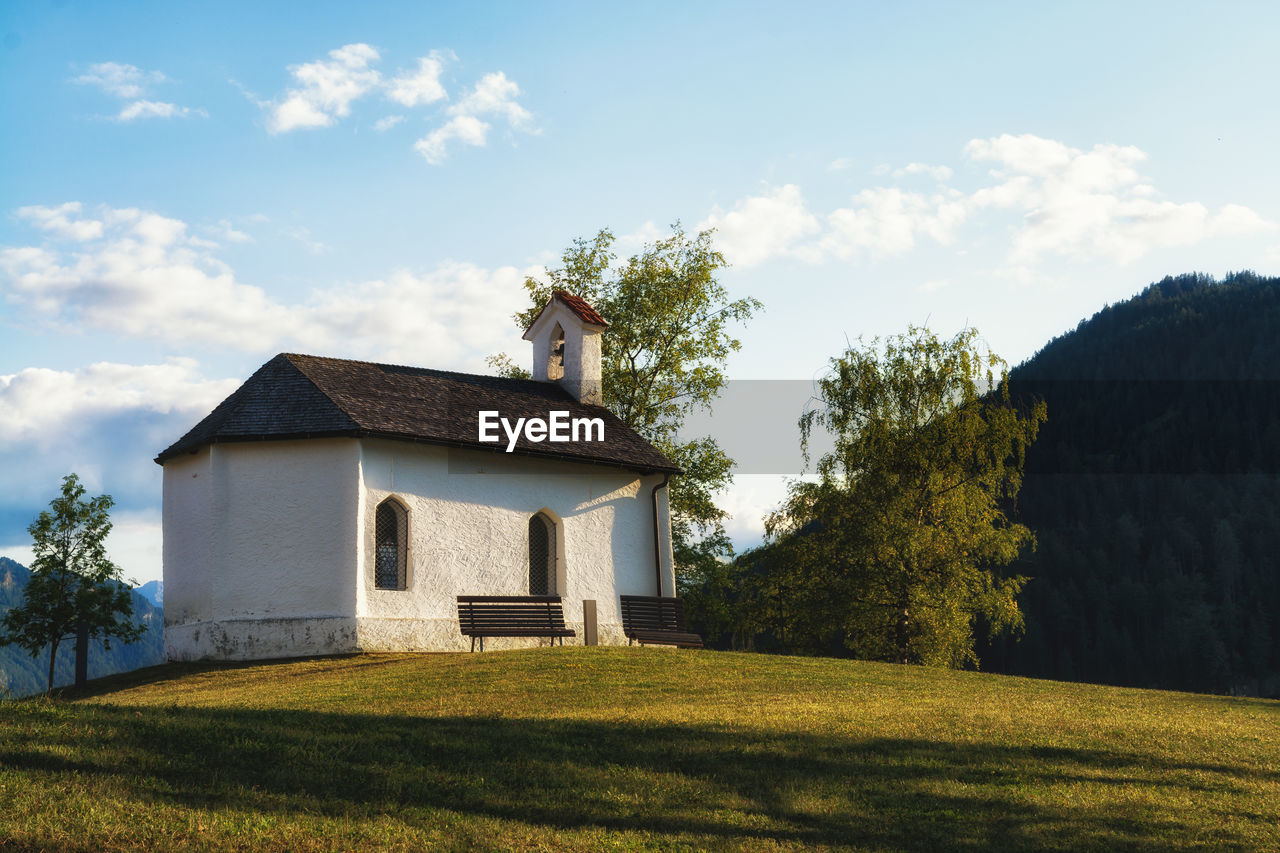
304,396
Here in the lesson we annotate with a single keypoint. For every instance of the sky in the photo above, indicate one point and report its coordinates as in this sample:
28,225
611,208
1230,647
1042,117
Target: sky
188,189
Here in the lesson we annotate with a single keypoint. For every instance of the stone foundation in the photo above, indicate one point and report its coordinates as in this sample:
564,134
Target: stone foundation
263,639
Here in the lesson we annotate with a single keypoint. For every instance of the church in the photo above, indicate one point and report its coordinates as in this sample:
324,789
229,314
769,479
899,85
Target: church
331,506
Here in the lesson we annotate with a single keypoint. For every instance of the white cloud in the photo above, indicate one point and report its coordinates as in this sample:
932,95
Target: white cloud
227,231
467,129
421,86
494,95
131,82
938,173
1236,220
142,276
1092,203
40,406
146,277
121,80
104,422
840,164
302,234
888,221
157,109
1066,202
325,89
59,220
461,313
646,235
762,227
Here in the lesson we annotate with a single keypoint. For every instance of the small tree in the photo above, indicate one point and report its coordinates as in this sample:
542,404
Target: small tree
898,546
73,587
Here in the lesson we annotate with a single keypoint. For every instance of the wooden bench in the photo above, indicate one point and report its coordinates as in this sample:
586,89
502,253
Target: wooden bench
648,619
481,616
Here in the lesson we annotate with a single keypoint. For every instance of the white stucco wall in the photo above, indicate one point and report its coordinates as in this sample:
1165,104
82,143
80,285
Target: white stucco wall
469,517
260,541
268,546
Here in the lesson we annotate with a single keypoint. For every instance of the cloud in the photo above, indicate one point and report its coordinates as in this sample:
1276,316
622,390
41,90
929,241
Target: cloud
1064,201
646,235
121,80
140,274
467,129
494,95
461,314
227,231
938,173
421,86
887,221
143,275
1092,203
103,422
157,109
131,82
325,89
302,234
762,227
59,221
40,407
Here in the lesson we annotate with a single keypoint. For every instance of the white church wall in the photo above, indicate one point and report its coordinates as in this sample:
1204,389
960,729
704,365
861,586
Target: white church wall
188,539
261,547
469,514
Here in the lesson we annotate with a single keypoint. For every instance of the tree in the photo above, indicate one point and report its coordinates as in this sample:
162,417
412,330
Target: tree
662,358
73,589
900,539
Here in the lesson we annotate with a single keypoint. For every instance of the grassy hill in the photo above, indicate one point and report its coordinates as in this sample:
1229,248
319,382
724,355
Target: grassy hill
615,748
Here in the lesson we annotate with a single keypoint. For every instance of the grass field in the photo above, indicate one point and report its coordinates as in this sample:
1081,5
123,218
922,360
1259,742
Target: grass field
615,748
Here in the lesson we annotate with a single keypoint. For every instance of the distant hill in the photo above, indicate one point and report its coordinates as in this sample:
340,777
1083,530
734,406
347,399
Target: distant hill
22,675
1154,491
153,591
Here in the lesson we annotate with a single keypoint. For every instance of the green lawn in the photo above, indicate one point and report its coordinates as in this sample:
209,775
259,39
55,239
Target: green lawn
616,748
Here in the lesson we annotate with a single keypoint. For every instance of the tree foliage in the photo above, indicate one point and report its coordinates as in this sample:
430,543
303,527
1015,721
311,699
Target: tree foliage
662,357
895,551
73,583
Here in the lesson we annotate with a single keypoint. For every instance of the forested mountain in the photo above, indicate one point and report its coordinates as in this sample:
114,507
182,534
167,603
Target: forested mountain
1154,492
22,675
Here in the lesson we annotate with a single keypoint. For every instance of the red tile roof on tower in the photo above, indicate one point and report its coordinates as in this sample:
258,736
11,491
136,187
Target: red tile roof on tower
577,305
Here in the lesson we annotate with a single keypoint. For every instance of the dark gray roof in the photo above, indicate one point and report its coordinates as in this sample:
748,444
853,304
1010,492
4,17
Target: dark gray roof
304,396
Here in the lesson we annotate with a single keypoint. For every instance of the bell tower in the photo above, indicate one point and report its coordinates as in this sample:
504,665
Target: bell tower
566,346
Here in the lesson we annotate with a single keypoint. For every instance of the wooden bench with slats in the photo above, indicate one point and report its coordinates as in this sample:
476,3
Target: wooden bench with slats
481,616
651,620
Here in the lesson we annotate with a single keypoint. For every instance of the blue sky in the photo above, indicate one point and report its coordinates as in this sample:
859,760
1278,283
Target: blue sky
191,188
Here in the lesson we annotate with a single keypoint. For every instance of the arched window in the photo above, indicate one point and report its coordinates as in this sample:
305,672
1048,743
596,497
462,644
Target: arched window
542,556
555,360
390,546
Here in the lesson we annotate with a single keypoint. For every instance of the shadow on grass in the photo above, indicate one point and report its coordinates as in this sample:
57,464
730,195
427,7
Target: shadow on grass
681,784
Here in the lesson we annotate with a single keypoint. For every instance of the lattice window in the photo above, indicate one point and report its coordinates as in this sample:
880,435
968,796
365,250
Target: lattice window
390,532
542,560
